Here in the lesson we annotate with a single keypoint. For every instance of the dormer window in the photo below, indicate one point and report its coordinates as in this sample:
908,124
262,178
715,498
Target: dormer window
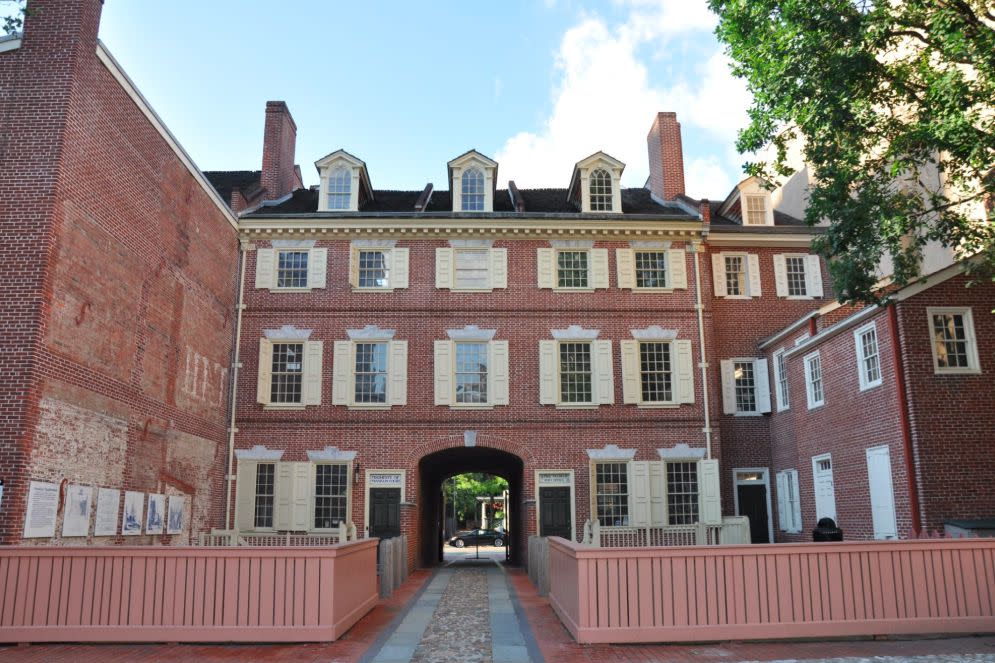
755,209
595,185
339,189
472,190
601,191
345,183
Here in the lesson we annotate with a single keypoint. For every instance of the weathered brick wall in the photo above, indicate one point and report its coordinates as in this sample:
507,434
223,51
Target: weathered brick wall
132,333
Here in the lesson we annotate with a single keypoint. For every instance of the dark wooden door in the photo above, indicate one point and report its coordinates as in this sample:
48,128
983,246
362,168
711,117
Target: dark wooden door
554,512
753,503
385,512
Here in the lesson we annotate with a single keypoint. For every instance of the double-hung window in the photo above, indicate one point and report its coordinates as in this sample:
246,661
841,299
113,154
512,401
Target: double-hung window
781,377
868,357
291,268
471,369
656,372
265,493
472,183
287,381
798,275
755,212
377,265
569,267
795,271
471,373
600,192
573,269
682,492
331,485
955,348
576,373
735,275
291,271
745,386
611,482
374,268
813,380
340,189
371,373
651,269
289,372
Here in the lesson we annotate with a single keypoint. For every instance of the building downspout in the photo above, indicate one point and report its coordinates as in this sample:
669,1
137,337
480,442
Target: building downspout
903,416
703,364
236,364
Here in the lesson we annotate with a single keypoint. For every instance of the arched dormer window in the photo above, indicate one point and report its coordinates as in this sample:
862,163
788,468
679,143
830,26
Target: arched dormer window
472,189
339,189
601,190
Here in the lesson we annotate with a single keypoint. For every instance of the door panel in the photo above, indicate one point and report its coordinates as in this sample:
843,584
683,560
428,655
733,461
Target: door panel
753,504
882,493
554,512
825,491
385,512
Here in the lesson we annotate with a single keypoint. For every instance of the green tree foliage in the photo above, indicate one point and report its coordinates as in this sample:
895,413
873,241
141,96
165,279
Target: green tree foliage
875,91
468,488
12,13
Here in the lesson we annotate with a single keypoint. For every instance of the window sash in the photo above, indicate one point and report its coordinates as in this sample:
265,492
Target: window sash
287,375
573,269
471,373
600,194
472,190
612,493
340,189
951,341
331,494
371,373
651,269
745,385
756,210
682,492
576,373
656,372
374,269
794,269
292,268
870,362
781,365
814,380
472,268
265,494
735,275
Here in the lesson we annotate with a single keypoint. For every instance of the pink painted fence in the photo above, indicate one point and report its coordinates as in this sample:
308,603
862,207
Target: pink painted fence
185,594
773,591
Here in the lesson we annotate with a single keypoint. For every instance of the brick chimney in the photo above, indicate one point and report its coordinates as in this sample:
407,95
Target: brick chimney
279,176
666,156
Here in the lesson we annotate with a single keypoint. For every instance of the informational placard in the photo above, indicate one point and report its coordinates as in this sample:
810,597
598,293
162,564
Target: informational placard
108,500
174,522
43,504
156,519
134,508
386,479
76,511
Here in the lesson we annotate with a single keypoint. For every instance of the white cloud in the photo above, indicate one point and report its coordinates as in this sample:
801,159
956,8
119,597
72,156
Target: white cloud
605,100
706,177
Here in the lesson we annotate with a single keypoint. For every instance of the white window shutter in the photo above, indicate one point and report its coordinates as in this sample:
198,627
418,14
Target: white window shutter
625,265
398,268
753,266
782,501
283,511
709,502
677,266
445,268
499,268
443,372
728,387
640,493
761,378
342,373
719,274
813,276
311,382
498,373
245,496
658,486
604,373
631,379
548,369
546,268
265,380
302,490
265,268
780,275
398,366
684,387
796,504
317,267
599,268
353,268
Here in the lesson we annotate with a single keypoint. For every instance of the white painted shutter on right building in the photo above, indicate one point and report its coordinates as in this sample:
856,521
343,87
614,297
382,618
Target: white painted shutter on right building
397,392
640,491
498,374
443,372
728,386
631,378
546,268
599,268
761,380
709,504
677,268
342,372
782,501
245,496
445,268
719,274
317,267
499,268
548,369
604,372
265,268
399,268
780,275
813,276
684,387
753,267
264,380
625,266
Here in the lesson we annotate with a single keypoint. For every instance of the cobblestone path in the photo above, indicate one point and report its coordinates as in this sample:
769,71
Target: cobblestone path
460,629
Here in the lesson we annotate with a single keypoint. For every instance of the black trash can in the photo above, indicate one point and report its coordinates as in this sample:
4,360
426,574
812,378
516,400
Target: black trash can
826,530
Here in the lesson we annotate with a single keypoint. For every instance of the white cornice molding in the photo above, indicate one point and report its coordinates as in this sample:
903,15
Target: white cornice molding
481,243
575,333
773,240
471,333
644,244
292,243
287,333
331,454
571,243
654,333
682,451
373,243
370,333
611,452
259,452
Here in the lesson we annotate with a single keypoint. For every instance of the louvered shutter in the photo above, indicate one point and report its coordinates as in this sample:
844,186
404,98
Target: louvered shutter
443,372
444,267
813,276
311,391
245,496
709,503
548,368
794,501
599,268
658,488
685,372
639,491
499,268
354,267
399,268
342,373
631,385
625,265
728,387
677,266
753,266
265,268
780,275
317,267
283,512
604,373
762,381
546,268
303,488
265,379
398,366
719,274
498,373
782,501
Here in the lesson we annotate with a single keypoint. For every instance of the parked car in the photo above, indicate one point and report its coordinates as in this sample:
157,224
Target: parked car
483,537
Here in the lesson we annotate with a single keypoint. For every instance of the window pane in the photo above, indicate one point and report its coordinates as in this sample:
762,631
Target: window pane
735,275
951,340
655,372
471,372
330,485
682,493
265,484
746,394
285,386
601,191
371,373
373,269
756,210
815,379
869,353
651,269
471,268
339,187
782,378
571,269
796,276
612,493
291,271
473,190
575,373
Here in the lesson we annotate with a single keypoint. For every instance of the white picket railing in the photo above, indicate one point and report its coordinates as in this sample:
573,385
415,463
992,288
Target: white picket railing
346,532
733,530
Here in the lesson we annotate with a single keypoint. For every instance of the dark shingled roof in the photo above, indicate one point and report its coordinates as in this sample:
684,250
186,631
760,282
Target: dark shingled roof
225,181
537,201
782,221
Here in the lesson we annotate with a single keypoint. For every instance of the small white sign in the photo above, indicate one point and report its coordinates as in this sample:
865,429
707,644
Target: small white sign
76,511
554,478
385,479
134,508
174,521
108,500
155,520
43,504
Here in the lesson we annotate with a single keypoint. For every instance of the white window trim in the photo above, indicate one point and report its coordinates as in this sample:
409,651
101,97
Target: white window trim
388,259
756,387
859,351
352,404
768,209
255,463
794,526
276,270
672,350
453,403
832,473
313,495
746,273
556,270
585,186
810,384
783,399
666,265
765,472
558,484
974,363
285,335
804,257
325,171
593,462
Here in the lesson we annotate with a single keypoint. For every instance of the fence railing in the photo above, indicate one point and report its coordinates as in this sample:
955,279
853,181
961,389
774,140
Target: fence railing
539,563
733,530
795,590
392,563
185,594
346,532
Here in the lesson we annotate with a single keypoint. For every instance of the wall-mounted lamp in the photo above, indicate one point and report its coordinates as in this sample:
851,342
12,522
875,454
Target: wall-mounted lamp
355,473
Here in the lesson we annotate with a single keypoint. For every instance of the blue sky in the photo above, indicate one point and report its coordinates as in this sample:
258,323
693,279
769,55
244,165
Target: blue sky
407,86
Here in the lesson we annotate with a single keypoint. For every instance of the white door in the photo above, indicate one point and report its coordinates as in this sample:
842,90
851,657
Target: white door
882,493
825,493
